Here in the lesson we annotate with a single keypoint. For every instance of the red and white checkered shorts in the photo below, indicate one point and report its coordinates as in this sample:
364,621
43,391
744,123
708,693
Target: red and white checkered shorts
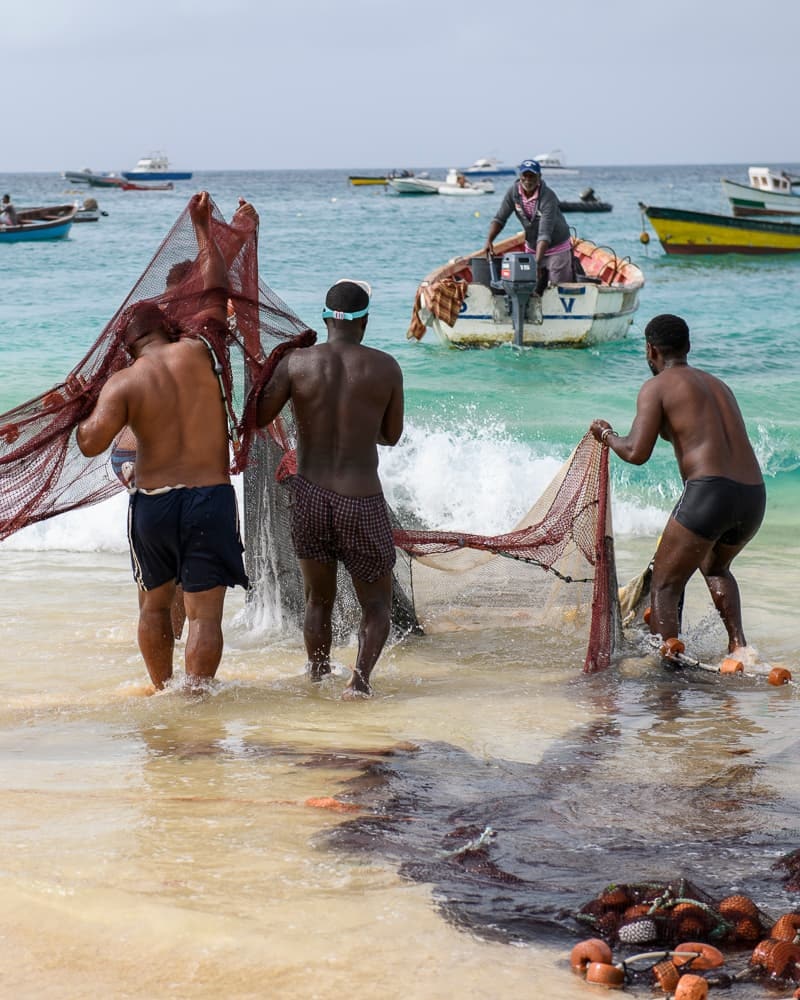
327,527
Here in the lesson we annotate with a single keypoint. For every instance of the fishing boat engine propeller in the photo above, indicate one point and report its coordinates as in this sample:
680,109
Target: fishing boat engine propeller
518,279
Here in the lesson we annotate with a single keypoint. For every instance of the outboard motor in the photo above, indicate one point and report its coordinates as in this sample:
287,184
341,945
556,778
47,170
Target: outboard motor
518,280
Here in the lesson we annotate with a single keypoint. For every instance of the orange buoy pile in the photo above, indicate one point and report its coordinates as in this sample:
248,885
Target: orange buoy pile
681,971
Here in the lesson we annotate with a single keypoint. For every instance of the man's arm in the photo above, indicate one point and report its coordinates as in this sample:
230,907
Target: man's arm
106,420
392,423
275,394
210,259
637,446
497,224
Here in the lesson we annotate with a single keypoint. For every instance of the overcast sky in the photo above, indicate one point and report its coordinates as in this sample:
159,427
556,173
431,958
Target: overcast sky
268,84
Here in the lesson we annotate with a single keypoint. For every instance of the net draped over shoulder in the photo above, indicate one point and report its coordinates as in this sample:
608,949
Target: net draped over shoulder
42,470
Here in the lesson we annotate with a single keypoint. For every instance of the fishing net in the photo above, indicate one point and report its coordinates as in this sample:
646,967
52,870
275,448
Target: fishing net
666,913
555,569
42,470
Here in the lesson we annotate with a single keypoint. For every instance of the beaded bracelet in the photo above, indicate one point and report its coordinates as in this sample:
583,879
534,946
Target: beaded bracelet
606,432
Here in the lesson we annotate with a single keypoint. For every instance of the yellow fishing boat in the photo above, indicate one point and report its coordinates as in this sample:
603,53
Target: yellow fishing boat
682,232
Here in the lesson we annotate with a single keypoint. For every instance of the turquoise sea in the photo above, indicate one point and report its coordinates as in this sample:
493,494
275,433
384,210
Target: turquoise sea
164,847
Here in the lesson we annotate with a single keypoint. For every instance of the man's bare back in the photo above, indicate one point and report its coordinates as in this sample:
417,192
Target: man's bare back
347,400
700,417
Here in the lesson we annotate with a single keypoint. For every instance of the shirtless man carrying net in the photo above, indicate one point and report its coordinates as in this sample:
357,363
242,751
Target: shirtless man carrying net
723,500
183,523
347,399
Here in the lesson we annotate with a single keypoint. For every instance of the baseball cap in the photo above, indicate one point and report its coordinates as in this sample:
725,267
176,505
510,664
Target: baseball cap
529,167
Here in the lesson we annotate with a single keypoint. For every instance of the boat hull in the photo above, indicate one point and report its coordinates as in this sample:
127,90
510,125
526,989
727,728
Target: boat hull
573,315
595,310
746,200
366,181
47,223
413,185
156,175
689,233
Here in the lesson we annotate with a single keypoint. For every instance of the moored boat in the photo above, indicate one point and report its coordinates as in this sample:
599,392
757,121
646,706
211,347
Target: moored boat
456,184
488,166
587,203
414,185
48,222
553,164
155,168
467,306
93,179
366,180
684,232
768,193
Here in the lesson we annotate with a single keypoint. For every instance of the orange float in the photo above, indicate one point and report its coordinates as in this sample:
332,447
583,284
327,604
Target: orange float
778,676
762,951
672,647
737,906
786,927
731,666
666,975
590,950
605,974
705,956
782,960
691,988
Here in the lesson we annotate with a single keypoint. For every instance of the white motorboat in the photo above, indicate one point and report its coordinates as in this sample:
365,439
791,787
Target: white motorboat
155,167
458,185
552,163
769,193
413,185
488,167
467,306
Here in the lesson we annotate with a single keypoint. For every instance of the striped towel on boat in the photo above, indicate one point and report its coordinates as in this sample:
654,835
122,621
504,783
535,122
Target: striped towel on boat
441,299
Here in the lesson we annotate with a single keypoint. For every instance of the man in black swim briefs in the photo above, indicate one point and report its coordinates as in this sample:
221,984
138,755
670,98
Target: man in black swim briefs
183,525
347,399
723,500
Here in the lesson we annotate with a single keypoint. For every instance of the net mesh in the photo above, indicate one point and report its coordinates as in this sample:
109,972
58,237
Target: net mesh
42,470
554,568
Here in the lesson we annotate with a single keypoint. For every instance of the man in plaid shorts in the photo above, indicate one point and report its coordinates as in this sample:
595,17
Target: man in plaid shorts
347,399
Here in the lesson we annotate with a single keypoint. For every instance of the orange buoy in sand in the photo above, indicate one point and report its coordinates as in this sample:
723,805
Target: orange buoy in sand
666,975
691,988
605,974
786,928
590,950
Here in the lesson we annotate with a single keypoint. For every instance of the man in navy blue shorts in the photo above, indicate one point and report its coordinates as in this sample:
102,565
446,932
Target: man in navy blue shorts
347,399
183,524
723,500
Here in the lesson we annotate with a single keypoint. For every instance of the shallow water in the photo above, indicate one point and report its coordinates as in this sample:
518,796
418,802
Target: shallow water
165,846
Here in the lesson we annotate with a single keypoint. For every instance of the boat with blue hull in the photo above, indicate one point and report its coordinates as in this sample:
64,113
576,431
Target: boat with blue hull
49,222
155,168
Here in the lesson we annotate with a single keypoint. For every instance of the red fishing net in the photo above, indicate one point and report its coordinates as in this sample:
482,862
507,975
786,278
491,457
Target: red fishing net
555,568
42,470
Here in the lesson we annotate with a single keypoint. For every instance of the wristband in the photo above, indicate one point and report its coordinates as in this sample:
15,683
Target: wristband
606,432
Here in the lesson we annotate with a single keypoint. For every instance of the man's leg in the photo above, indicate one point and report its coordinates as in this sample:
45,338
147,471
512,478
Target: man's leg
320,588
678,555
177,612
156,639
204,641
376,610
725,590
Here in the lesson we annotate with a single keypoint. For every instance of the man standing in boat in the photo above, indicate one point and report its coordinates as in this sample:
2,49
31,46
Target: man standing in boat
546,230
347,399
723,499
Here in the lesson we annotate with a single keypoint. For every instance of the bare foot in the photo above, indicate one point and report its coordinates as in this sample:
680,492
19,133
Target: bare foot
357,687
317,671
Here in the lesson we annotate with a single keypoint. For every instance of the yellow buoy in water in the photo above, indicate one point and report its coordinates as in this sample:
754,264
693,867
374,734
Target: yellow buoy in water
477,215
644,237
